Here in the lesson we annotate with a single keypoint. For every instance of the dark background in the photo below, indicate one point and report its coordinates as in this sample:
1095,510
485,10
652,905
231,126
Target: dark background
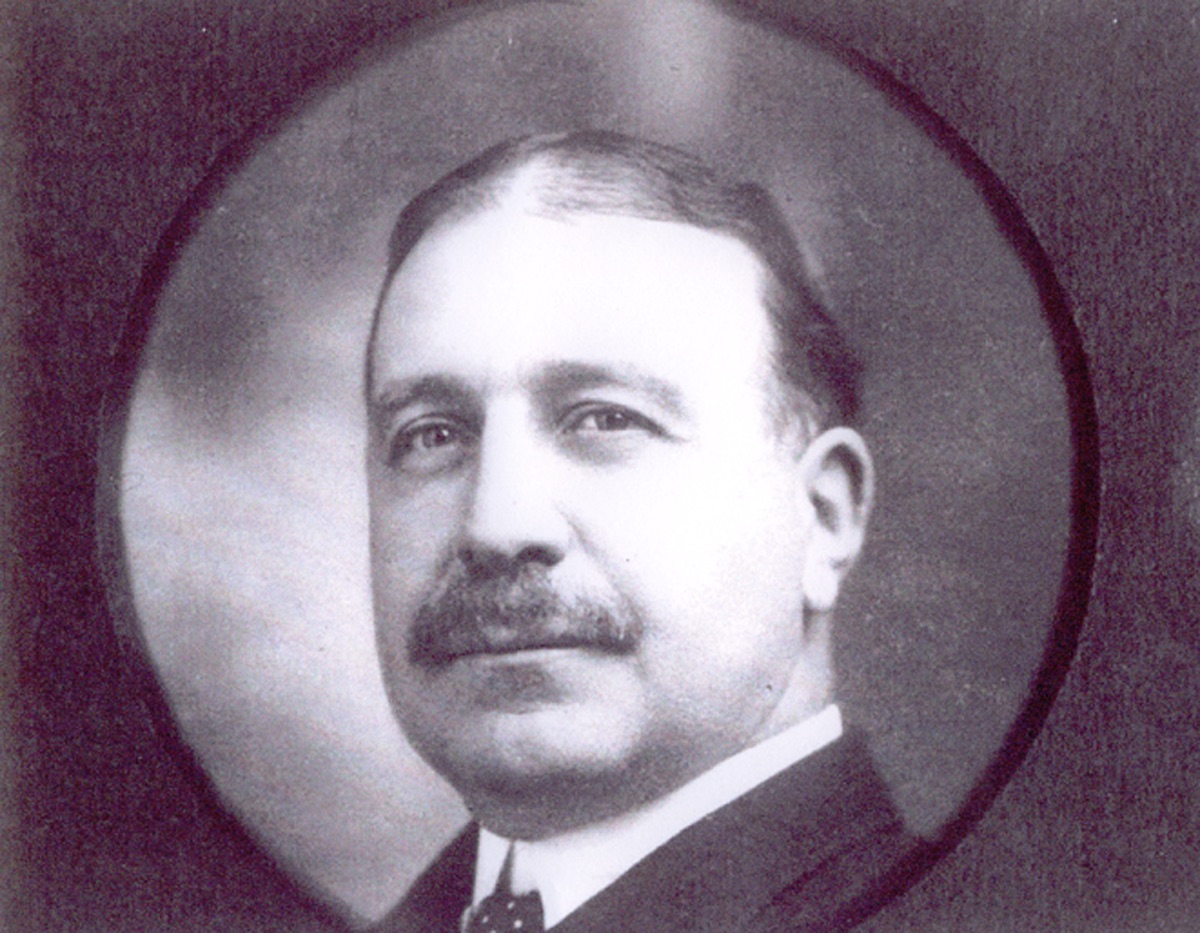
113,114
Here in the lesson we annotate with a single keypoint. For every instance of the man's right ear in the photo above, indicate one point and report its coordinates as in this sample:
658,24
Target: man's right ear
839,481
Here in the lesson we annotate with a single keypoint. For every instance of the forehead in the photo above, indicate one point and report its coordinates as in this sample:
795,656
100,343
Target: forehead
506,290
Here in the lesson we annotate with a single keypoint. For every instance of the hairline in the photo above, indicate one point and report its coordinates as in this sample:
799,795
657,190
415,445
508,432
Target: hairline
788,405
802,396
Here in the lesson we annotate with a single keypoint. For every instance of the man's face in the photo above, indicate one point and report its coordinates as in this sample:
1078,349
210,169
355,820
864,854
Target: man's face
588,532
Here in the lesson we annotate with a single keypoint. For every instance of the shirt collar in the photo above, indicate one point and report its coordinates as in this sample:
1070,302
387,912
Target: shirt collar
569,869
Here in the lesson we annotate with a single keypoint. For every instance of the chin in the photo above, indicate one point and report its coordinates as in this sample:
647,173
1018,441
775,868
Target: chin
540,743
534,773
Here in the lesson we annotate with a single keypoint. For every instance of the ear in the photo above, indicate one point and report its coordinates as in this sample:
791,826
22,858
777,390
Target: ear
839,484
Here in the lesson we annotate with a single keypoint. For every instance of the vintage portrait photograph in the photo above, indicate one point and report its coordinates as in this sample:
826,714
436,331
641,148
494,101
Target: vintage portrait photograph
634,465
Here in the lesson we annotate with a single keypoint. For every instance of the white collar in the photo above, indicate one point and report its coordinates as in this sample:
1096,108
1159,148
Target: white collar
569,869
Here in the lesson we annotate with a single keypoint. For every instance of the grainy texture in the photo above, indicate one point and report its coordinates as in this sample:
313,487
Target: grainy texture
1086,111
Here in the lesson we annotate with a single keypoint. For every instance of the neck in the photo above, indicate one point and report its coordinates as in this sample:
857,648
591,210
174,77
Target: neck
569,868
564,803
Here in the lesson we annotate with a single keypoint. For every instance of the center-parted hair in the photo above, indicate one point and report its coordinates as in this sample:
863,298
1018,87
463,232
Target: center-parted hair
601,172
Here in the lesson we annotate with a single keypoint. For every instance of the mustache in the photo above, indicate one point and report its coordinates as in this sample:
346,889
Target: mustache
515,611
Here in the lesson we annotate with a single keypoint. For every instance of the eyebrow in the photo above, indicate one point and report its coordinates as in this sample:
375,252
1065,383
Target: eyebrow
399,394
568,377
552,380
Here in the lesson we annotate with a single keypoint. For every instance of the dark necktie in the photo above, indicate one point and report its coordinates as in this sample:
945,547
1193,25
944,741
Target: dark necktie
505,912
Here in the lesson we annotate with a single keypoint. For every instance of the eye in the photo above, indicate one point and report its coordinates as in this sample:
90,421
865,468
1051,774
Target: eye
589,421
607,419
430,445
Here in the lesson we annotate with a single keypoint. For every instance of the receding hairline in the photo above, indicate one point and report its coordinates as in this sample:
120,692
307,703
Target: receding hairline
590,172
557,185
789,411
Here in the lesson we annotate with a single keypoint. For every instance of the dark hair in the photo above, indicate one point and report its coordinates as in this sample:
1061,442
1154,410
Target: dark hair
600,172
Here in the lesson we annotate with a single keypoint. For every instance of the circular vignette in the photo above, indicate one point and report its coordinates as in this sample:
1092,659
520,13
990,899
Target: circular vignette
1075,580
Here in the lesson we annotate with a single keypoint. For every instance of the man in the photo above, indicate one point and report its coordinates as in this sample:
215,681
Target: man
613,497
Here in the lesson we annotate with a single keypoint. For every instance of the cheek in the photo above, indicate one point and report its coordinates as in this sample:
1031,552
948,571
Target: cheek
713,562
410,540
408,543
692,535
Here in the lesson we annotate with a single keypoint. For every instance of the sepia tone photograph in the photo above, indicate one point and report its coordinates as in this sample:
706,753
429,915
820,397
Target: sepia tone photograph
603,465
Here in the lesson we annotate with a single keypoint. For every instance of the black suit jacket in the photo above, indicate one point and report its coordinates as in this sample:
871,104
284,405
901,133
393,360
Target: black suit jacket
811,849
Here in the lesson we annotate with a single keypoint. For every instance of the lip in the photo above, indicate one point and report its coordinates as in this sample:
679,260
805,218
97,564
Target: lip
527,652
442,641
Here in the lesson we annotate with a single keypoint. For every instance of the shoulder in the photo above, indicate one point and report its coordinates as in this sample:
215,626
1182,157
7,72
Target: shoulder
808,849
858,851
436,901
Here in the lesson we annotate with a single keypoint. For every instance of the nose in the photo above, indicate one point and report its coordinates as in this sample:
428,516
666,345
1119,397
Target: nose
512,518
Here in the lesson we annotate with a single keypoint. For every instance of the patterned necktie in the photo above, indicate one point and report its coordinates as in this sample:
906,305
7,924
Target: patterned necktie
505,912
508,913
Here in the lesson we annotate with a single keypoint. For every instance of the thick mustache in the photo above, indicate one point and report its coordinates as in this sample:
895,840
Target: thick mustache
513,612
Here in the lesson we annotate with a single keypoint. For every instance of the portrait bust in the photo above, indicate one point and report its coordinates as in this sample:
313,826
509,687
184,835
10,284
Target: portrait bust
613,496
